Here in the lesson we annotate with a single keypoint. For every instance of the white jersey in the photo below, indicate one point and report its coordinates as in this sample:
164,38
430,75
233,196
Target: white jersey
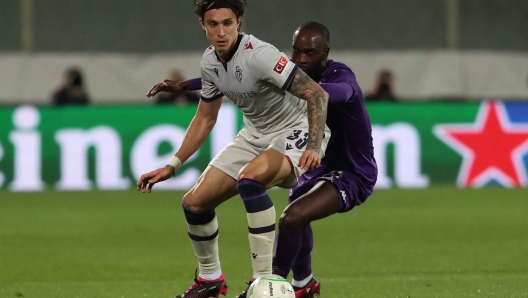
255,78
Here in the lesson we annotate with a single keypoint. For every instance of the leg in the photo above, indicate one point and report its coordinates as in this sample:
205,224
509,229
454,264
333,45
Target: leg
269,168
212,188
336,191
266,170
322,201
295,241
302,265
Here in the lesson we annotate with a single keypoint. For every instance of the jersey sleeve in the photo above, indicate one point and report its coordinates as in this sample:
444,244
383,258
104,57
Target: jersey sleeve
194,84
268,64
336,82
209,91
338,92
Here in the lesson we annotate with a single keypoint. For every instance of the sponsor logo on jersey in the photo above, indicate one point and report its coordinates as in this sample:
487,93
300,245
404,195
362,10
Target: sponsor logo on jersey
248,46
238,73
281,65
233,94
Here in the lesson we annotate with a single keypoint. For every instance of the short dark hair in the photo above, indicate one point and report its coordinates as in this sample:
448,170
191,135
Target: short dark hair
236,6
317,28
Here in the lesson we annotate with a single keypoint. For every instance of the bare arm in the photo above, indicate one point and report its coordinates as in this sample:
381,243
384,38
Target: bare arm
305,88
197,132
200,127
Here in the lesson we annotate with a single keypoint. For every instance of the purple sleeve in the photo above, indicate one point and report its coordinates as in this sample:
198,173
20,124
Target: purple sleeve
339,92
195,84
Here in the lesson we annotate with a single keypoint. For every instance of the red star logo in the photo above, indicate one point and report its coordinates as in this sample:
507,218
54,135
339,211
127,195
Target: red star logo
492,148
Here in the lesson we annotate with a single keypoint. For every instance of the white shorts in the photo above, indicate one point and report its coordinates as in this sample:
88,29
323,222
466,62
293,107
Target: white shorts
245,147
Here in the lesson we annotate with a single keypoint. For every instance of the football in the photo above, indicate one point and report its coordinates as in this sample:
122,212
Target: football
271,286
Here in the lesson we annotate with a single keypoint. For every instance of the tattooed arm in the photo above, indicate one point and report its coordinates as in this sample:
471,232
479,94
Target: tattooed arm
305,88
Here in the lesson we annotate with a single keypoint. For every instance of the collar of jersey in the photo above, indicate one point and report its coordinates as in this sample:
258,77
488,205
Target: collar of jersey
233,50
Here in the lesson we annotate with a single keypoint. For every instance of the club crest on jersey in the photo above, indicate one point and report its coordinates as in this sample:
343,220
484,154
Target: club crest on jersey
281,65
216,71
238,73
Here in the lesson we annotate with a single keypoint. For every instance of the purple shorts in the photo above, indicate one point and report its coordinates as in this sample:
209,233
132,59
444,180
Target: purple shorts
349,188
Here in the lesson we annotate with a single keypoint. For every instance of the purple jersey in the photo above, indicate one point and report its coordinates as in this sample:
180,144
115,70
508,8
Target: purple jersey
350,146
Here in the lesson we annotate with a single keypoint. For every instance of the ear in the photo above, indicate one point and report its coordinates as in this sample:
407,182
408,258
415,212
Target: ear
202,23
326,52
239,22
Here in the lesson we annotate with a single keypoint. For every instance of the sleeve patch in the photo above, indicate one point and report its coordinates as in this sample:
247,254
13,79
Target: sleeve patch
281,65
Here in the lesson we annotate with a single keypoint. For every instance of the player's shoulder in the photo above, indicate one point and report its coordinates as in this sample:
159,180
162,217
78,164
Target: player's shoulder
254,45
256,51
251,42
337,71
339,66
209,53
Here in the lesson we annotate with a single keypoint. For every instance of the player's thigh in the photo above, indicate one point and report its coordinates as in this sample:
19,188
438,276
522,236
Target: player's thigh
212,189
269,168
236,155
320,202
292,144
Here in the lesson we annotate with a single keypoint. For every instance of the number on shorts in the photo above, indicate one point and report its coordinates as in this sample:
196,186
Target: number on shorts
295,134
302,142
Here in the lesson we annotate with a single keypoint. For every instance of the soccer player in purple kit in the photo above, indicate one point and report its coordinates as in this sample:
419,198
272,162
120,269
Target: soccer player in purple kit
347,173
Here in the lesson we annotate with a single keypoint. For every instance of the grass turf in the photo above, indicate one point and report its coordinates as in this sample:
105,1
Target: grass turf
439,242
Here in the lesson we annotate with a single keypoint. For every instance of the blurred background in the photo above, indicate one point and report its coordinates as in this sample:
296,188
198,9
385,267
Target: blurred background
446,88
447,49
421,64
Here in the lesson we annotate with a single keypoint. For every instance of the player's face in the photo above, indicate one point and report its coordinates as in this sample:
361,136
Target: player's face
310,52
221,28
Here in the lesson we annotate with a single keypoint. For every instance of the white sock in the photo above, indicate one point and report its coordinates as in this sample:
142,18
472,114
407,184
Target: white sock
206,251
302,283
261,245
211,276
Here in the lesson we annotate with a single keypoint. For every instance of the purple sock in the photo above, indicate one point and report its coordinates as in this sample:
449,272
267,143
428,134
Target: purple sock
302,266
287,245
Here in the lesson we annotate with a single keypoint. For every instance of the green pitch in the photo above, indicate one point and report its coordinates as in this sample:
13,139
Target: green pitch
440,242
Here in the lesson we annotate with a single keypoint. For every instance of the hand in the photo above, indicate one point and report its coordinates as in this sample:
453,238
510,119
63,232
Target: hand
167,86
309,159
147,181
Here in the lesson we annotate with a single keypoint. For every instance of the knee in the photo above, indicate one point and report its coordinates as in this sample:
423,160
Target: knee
256,170
188,202
292,219
246,173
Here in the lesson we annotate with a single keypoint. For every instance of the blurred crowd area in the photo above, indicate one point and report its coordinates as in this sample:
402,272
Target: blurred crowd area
112,52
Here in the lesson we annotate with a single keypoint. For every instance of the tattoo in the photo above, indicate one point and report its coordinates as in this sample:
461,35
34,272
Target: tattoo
305,88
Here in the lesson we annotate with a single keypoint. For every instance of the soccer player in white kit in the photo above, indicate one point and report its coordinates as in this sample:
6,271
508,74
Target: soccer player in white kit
285,135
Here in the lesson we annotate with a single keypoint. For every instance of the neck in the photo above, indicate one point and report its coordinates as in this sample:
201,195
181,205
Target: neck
324,63
225,55
316,73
